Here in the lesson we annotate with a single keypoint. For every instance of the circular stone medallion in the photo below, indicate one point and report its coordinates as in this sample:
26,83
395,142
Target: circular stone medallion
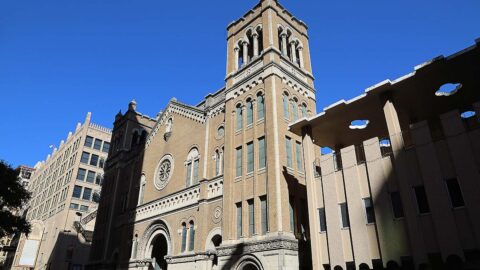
164,172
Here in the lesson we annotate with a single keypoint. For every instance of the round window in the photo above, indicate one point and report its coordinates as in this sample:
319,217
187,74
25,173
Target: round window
164,172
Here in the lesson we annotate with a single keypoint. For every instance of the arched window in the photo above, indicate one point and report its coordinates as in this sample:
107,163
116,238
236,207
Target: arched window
134,139
191,240
193,164
239,117
184,237
294,110
142,189
304,110
218,162
260,106
249,112
286,110
260,40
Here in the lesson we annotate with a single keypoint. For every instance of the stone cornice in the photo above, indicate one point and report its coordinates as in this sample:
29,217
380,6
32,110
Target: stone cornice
258,246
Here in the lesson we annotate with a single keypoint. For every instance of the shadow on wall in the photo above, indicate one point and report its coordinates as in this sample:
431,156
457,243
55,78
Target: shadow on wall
297,200
70,252
112,244
237,255
418,215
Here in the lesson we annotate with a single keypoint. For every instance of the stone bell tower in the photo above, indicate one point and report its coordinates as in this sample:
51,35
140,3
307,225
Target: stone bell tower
269,84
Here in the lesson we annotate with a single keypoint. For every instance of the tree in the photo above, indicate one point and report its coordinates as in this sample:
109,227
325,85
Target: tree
12,197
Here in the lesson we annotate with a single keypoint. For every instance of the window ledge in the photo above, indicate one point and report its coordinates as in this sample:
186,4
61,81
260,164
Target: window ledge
262,170
238,178
249,175
345,229
237,132
249,126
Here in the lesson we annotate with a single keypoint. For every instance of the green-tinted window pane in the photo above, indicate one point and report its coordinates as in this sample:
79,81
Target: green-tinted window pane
260,107
250,160
288,148
298,154
262,162
239,157
249,113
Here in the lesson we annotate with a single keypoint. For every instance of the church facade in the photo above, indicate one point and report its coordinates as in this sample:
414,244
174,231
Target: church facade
221,184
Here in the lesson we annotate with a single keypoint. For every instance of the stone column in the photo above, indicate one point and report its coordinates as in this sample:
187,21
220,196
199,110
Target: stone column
284,43
255,44
403,172
300,53
312,195
236,50
293,52
245,53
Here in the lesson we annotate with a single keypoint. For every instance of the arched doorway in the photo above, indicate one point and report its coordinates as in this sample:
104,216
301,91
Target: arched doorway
249,262
159,251
250,266
216,242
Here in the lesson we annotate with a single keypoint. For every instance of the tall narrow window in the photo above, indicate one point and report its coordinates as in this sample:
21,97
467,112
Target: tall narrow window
455,192
195,171
81,174
94,160
288,148
322,219
98,144
192,163
191,240
298,155
249,112
369,212
291,204
397,206
142,189
189,173
344,215
239,117
239,220
262,161
294,110
250,160
106,147
217,162
91,177
260,107
286,111
77,192
87,193
85,157
264,214
184,237
239,157
304,110
88,141
251,217
422,201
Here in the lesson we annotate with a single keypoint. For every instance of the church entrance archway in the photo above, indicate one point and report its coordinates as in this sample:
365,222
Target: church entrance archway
160,250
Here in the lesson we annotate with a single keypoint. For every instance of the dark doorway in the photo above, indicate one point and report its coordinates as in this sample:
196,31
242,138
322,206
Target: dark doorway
250,267
160,250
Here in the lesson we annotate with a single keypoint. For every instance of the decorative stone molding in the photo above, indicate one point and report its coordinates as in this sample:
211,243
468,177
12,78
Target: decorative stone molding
155,227
194,257
258,246
219,109
217,215
189,112
215,189
247,72
173,202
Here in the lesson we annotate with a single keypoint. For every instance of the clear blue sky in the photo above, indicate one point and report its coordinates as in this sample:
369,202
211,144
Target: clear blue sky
60,59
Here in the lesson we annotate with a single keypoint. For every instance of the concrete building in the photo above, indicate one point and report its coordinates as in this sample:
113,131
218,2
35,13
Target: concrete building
218,185
65,193
402,185
8,244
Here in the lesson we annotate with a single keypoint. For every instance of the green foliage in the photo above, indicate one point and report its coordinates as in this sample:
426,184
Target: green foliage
12,197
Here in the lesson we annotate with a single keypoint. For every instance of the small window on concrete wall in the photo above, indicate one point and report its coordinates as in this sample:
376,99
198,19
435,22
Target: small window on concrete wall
455,192
422,201
344,216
